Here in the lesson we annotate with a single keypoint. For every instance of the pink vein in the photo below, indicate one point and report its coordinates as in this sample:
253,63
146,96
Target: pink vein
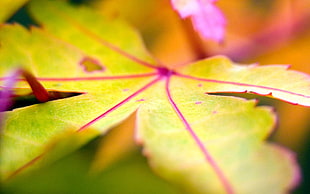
240,84
92,78
28,164
228,187
119,104
104,42
98,78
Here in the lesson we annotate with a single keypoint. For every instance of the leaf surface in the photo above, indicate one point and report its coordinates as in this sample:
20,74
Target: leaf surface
273,80
191,137
225,131
7,8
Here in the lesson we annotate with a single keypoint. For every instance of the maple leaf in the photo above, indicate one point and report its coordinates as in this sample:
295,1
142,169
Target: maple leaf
207,143
207,19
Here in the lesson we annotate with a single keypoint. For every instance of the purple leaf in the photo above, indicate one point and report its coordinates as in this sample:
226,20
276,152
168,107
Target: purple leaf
207,19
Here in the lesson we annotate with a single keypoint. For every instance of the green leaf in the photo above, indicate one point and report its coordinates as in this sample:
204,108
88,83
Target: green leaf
132,173
205,142
272,80
226,132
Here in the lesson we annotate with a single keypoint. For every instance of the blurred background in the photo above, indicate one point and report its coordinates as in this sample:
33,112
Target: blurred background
258,31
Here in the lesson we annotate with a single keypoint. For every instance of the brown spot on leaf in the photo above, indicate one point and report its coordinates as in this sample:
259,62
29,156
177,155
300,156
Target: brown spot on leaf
91,65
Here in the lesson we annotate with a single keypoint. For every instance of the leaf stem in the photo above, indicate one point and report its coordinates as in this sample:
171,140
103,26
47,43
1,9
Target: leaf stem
38,90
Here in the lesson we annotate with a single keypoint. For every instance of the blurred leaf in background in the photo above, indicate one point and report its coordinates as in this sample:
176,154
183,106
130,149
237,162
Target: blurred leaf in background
131,175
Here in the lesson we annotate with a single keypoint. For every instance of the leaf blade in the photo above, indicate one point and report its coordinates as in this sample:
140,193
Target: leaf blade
221,75
76,22
174,155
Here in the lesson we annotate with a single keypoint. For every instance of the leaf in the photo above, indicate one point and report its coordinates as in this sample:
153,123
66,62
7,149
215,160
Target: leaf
292,117
7,8
207,19
274,80
191,137
5,94
132,173
230,133
114,146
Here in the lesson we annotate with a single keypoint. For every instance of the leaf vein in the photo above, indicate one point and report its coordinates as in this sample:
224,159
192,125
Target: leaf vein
241,84
120,103
103,42
227,185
